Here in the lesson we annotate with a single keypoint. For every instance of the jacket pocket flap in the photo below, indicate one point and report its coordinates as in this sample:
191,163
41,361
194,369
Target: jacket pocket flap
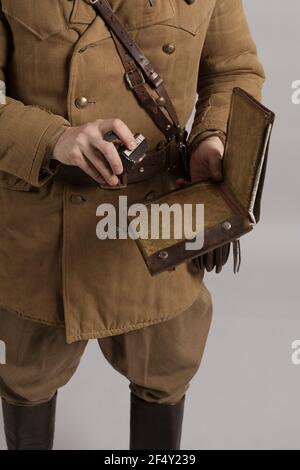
41,18
9,181
191,17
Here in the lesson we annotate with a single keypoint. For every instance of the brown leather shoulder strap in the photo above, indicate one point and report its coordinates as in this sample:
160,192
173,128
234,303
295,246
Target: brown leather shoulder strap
132,56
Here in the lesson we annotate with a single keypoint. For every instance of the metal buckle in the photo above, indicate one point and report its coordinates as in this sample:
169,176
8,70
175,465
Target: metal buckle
122,183
133,160
129,79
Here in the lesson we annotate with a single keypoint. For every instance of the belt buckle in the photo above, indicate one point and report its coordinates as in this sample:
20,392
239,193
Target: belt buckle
128,78
123,183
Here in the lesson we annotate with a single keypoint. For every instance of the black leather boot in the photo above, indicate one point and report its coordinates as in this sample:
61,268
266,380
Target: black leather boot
154,426
29,427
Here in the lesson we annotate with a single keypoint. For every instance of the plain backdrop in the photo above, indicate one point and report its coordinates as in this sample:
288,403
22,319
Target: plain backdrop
246,394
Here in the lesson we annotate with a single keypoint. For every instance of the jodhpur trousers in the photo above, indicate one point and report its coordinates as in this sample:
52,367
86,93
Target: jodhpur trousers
159,360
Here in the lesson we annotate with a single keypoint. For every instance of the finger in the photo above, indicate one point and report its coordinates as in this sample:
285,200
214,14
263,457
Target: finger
199,169
92,145
200,173
84,165
121,130
98,162
197,176
108,151
215,167
93,171
182,182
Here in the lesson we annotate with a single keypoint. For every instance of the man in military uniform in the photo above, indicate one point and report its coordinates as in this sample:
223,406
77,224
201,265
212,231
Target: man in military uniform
59,284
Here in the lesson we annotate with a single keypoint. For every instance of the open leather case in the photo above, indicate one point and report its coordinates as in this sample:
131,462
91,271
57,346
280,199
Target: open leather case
231,208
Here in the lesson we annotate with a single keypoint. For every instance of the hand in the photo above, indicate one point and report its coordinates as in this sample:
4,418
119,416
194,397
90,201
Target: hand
85,147
206,161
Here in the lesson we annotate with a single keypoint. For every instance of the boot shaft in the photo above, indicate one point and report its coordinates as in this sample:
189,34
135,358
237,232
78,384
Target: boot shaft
154,426
29,427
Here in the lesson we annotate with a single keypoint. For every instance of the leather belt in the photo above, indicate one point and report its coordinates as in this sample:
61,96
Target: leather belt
166,159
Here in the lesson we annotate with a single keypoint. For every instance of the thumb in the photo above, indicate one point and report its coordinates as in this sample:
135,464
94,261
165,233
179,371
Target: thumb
182,182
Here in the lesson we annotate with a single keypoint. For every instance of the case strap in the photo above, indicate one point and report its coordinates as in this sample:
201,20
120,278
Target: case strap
237,258
137,66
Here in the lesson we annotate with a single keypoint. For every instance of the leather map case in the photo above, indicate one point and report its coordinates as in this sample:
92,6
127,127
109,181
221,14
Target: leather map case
231,208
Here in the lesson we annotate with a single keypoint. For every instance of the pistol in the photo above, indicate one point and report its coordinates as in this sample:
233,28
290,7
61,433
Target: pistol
130,158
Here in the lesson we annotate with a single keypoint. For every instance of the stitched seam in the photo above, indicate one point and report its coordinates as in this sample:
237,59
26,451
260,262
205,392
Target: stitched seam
117,330
128,327
28,317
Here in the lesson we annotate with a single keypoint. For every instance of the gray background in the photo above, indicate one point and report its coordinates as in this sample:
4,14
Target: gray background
246,394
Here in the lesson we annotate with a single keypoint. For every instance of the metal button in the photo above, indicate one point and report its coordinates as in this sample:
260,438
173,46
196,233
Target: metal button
77,199
226,226
81,102
169,48
160,145
161,101
142,169
163,255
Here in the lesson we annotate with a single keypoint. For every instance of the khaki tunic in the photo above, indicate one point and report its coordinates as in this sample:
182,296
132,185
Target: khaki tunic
53,268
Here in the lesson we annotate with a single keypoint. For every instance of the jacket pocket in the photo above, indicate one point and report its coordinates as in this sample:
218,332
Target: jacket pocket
139,14
8,181
192,17
43,18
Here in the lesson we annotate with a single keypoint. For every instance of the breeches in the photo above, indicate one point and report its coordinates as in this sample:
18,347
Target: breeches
159,360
